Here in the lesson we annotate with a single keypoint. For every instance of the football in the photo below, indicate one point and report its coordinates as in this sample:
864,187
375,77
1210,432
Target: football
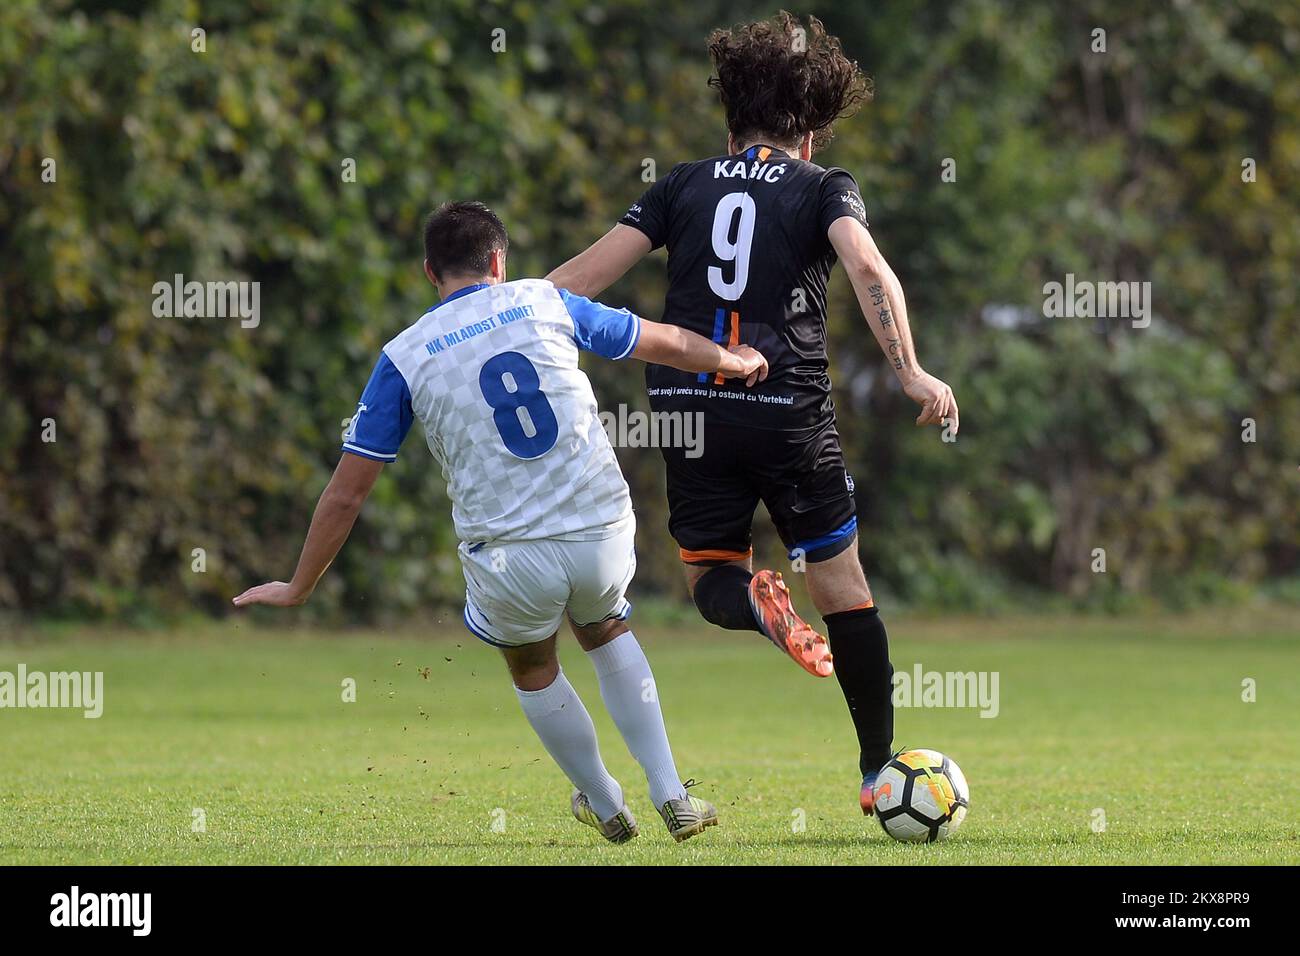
921,797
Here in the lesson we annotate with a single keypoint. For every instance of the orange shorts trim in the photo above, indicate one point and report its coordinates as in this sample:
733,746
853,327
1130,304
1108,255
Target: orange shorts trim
695,557
862,607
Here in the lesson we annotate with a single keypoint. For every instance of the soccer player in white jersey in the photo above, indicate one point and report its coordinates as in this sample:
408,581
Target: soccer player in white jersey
539,504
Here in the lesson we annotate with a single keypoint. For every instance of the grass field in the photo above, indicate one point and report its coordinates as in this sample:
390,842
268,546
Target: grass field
1140,718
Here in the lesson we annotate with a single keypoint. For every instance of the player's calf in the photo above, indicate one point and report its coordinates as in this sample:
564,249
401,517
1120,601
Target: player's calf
563,725
628,688
734,598
861,647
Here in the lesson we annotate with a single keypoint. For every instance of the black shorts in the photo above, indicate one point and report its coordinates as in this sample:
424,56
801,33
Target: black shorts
800,477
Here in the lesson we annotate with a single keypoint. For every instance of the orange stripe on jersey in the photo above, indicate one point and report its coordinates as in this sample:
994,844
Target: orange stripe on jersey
734,339
764,153
691,557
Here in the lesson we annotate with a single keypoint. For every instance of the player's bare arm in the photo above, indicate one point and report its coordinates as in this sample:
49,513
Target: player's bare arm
664,344
603,263
336,512
880,296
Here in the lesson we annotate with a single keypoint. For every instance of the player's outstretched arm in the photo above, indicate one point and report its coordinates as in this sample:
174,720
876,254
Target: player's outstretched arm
603,263
336,512
881,297
664,344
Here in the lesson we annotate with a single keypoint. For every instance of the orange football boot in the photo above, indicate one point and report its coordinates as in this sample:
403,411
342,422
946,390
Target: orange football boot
867,795
770,599
871,792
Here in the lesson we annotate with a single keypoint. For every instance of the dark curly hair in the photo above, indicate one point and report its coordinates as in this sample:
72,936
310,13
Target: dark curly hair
779,80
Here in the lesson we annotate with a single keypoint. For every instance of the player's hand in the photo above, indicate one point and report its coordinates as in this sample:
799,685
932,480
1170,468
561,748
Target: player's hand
753,365
275,593
936,400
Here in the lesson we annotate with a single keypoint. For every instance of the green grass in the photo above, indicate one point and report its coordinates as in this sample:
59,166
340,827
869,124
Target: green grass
1142,718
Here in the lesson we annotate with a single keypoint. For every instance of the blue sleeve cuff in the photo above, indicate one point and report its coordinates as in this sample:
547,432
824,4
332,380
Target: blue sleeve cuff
383,416
636,337
597,328
352,449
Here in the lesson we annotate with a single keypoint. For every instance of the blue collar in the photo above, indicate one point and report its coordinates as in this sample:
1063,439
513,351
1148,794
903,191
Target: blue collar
458,293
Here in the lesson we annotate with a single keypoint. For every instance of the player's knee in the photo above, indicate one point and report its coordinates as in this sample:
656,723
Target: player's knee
592,636
535,678
532,666
838,585
693,576
722,597
847,601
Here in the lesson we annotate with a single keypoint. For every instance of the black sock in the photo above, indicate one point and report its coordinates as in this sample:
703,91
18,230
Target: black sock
861,651
722,595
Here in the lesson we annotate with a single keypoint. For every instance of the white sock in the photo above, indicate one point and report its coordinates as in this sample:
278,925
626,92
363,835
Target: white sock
567,733
630,696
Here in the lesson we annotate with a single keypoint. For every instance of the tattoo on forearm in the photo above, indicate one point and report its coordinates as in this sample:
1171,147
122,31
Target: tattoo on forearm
896,354
895,347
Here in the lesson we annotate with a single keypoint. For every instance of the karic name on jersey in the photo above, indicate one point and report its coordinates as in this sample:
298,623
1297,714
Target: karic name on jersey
739,169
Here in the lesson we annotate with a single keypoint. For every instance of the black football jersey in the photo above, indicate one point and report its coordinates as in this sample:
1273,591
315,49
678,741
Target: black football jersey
748,260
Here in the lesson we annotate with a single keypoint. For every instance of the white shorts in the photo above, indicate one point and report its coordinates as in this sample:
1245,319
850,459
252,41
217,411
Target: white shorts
517,592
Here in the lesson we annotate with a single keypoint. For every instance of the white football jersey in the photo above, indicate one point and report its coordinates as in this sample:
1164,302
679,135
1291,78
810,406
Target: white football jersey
491,374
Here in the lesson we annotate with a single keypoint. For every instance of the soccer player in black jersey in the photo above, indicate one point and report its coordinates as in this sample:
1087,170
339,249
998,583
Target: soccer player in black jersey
752,237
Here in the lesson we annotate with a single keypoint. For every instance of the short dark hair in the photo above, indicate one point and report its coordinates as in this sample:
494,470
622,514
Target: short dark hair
460,237
779,80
